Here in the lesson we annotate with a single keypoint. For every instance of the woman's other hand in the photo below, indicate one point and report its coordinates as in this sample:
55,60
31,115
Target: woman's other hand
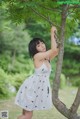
53,29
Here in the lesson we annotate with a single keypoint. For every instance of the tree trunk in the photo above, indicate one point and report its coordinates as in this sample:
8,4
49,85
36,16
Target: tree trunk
61,107
11,65
13,57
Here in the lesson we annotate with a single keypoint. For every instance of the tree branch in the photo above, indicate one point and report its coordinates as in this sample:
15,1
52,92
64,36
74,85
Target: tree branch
70,12
73,9
44,17
61,107
56,9
48,8
51,9
74,6
76,102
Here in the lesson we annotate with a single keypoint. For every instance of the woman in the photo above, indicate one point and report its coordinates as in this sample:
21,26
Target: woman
35,92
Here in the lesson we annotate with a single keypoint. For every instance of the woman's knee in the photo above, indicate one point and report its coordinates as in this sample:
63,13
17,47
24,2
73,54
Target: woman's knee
21,117
25,112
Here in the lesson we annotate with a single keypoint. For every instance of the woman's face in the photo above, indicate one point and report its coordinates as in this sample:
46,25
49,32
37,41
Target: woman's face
41,47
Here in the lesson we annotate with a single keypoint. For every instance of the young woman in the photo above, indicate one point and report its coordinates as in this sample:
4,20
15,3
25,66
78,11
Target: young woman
35,92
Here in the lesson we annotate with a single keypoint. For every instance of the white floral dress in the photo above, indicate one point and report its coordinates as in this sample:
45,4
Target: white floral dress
35,92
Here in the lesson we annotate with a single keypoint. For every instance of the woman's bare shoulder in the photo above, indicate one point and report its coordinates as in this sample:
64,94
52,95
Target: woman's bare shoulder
35,55
42,55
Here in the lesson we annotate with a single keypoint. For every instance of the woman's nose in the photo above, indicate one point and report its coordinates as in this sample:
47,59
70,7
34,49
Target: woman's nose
43,45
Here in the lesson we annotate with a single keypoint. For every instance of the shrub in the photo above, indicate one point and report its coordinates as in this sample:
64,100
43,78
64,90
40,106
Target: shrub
18,79
4,85
76,81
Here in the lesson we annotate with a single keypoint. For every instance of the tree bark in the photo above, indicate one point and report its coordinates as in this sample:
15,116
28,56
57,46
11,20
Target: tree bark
76,102
58,104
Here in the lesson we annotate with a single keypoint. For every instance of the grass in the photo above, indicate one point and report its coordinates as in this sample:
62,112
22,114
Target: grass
66,95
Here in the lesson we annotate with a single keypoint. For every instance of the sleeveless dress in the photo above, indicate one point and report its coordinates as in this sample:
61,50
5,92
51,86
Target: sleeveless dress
35,92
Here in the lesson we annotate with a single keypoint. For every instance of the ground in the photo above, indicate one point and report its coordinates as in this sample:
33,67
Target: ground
66,95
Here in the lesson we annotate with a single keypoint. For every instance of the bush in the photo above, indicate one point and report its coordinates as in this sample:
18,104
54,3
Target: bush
71,65
10,83
20,64
5,84
4,60
18,80
76,81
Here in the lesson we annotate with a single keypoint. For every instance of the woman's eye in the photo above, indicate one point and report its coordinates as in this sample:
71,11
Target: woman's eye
38,45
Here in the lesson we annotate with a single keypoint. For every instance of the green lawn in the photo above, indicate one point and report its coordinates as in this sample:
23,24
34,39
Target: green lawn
66,95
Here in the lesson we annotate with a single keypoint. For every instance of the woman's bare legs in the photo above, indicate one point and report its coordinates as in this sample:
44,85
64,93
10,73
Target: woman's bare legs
26,115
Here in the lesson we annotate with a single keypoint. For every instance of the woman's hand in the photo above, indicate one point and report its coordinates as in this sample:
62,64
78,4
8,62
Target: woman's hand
53,29
54,32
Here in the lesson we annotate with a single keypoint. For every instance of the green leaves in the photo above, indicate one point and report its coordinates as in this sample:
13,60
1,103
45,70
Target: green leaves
71,63
19,11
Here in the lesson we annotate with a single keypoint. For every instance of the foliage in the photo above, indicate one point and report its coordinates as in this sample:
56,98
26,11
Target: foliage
37,29
20,65
4,60
21,10
71,65
5,84
14,38
75,81
18,79
47,12
15,42
23,65
9,83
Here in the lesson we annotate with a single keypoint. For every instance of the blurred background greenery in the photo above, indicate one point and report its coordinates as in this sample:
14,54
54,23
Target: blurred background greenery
15,63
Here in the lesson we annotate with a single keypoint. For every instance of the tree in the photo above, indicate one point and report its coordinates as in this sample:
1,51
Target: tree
25,9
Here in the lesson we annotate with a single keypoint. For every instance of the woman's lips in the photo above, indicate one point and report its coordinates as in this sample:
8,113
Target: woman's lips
44,49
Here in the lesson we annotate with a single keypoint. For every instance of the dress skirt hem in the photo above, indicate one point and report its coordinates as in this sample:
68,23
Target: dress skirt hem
34,108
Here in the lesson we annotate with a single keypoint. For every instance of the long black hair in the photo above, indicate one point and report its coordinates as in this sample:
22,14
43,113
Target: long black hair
32,46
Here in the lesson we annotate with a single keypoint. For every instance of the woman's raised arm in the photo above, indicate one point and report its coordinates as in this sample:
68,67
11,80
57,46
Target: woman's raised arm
51,53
